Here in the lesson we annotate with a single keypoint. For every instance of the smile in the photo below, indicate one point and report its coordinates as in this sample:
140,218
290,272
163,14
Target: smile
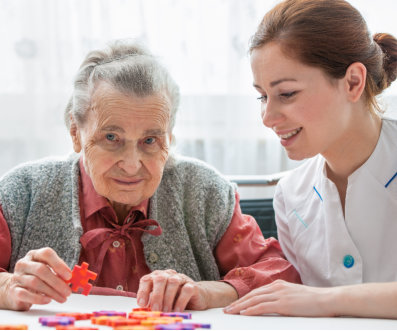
290,134
127,182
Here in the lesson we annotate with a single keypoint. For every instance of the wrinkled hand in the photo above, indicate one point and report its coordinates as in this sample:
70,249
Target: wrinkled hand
283,298
38,278
167,290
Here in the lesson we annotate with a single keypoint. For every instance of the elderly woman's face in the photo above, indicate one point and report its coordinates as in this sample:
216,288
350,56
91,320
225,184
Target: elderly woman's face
125,143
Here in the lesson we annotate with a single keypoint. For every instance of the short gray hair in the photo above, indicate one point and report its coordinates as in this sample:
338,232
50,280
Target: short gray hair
129,68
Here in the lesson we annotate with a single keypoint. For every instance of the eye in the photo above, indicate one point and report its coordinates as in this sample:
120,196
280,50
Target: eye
262,98
288,95
111,137
150,141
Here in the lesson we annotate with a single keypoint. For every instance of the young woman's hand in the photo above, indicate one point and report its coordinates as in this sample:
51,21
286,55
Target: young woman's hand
283,298
38,278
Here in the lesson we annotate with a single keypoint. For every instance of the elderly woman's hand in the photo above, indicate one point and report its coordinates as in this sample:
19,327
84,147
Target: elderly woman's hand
167,290
38,278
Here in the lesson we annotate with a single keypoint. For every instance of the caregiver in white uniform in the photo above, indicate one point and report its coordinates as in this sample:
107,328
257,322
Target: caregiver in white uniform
319,71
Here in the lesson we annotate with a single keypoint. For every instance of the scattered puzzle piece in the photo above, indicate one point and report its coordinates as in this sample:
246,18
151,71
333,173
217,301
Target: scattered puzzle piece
144,314
133,327
182,326
152,321
109,313
13,327
80,277
141,309
187,316
72,327
122,321
77,316
138,319
56,320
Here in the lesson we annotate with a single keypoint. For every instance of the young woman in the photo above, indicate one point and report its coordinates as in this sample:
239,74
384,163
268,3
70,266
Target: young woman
318,72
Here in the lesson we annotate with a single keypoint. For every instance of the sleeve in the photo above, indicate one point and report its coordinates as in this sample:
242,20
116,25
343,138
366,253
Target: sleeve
5,243
282,226
246,259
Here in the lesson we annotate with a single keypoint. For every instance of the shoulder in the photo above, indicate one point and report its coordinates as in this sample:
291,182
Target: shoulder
37,171
302,178
389,130
41,166
390,123
195,172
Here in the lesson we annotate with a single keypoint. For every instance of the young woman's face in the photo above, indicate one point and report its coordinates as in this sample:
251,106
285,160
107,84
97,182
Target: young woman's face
307,110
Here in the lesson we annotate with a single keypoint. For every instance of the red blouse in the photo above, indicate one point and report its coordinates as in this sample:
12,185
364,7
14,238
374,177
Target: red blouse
245,259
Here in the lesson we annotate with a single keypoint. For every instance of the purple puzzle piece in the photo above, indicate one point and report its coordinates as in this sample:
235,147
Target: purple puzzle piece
109,313
183,326
177,314
56,320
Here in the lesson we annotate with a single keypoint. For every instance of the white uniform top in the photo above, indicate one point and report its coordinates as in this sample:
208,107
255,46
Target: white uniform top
327,248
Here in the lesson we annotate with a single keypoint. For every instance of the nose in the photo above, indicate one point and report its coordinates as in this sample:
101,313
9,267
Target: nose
130,159
271,116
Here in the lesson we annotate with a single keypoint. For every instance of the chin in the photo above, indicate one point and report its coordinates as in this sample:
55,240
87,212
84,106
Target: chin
299,156
125,199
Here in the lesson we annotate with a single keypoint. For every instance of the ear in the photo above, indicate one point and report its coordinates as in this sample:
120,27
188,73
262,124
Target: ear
355,78
75,134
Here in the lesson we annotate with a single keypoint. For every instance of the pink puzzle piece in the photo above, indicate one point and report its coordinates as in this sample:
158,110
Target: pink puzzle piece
80,277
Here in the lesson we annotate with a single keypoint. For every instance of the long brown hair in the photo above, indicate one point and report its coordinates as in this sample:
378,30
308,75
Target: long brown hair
330,34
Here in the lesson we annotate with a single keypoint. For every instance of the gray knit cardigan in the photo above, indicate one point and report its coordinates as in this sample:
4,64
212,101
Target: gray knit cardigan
193,204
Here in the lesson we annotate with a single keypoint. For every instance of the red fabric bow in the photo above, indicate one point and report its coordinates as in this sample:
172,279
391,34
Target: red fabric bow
105,237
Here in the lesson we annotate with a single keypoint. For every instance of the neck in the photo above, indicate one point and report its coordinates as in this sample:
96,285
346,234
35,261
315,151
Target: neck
354,148
121,210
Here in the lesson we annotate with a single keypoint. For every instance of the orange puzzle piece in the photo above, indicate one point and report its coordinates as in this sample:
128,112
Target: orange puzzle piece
13,327
80,277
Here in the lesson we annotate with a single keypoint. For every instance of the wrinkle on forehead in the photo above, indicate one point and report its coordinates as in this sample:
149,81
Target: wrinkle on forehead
106,101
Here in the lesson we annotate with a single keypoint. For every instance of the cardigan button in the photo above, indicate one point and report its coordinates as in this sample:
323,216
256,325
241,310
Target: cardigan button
153,257
348,261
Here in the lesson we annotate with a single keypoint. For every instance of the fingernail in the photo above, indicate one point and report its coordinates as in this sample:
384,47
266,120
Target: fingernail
156,307
166,309
141,302
66,276
227,309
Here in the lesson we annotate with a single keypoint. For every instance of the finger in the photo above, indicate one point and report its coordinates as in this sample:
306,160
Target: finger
35,285
261,308
157,295
49,256
144,290
186,293
248,301
24,298
267,289
54,287
172,287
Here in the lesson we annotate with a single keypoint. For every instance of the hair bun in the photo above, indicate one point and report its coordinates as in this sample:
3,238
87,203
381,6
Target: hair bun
388,45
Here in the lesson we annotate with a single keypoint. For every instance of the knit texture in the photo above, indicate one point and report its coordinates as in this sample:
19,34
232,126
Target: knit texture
193,204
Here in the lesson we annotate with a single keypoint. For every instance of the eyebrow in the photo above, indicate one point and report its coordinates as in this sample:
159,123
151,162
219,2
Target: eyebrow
113,128
155,132
276,82
150,132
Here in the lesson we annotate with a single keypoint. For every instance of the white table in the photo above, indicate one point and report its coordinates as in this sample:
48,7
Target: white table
215,317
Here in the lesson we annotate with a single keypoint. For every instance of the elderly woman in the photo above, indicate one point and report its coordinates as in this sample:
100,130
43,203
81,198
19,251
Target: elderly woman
165,227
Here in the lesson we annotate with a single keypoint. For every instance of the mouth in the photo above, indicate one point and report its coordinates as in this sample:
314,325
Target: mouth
289,134
127,182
